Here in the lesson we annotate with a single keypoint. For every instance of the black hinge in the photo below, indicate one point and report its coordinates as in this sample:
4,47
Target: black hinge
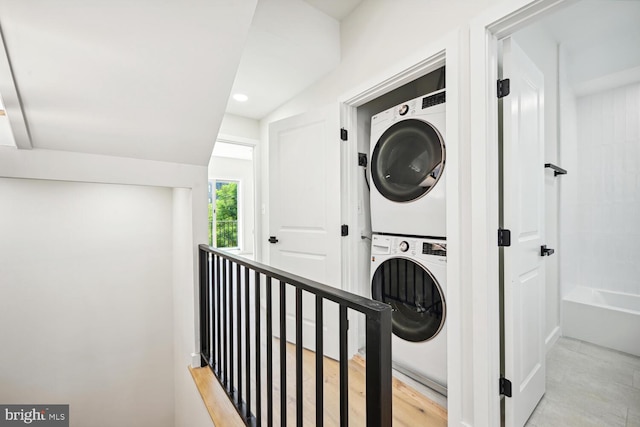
504,237
503,88
505,387
344,135
344,230
362,159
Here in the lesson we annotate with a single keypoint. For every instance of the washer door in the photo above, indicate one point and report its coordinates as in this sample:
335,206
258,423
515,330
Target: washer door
415,296
408,160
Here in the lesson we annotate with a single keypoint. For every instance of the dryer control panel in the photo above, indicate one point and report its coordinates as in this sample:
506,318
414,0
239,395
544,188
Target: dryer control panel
439,249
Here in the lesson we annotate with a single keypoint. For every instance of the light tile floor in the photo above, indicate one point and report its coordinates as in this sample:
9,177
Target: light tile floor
589,385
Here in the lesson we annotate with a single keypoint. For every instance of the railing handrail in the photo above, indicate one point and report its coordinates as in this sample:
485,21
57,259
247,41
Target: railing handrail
221,344
353,301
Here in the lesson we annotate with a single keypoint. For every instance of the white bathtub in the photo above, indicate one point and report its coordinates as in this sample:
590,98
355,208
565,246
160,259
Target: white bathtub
606,318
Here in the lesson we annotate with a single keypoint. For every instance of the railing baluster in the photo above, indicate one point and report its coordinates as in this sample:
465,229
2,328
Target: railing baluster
344,368
319,363
204,297
214,311
247,343
239,329
283,354
299,400
210,302
225,360
232,329
378,369
208,311
269,354
258,361
218,314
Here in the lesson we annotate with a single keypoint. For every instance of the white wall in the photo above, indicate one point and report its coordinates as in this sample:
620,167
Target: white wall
187,224
605,225
86,300
569,244
238,126
225,168
543,51
374,37
189,407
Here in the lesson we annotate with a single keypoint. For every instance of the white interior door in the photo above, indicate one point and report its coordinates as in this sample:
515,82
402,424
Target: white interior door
304,212
523,214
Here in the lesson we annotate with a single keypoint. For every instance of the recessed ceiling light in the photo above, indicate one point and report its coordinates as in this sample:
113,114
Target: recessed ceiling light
240,97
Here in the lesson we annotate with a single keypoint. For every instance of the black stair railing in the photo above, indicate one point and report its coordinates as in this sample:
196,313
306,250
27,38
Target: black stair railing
231,291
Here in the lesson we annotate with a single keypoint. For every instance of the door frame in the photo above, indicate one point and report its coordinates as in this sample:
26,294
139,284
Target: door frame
449,51
485,31
254,144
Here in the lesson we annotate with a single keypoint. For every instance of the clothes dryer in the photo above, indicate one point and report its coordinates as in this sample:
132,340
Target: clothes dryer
408,154
410,275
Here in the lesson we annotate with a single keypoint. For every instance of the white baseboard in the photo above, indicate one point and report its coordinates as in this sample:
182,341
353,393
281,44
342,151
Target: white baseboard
552,338
195,360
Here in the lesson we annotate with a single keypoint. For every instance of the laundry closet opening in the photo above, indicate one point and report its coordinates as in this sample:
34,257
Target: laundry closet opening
402,219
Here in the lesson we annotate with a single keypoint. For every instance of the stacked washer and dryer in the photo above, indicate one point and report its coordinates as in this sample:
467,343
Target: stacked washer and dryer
408,220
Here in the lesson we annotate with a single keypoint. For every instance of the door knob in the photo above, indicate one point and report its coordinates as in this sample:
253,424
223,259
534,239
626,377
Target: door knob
273,239
544,251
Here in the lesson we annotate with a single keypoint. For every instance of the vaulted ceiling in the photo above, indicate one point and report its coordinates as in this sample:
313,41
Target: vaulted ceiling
144,79
151,79
291,45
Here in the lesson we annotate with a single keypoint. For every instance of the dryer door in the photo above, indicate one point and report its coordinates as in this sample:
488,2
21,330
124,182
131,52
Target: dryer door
415,296
407,160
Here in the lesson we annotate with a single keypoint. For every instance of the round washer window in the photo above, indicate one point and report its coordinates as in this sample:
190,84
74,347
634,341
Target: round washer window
415,296
408,160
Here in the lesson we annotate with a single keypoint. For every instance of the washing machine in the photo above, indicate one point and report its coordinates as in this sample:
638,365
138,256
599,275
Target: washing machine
410,275
407,168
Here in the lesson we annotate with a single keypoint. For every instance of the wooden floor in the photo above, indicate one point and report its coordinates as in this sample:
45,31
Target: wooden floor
410,408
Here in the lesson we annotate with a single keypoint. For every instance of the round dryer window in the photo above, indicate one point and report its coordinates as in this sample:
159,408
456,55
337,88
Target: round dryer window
415,296
407,160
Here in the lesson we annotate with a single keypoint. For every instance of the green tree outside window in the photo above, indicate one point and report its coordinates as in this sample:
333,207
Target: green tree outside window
226,214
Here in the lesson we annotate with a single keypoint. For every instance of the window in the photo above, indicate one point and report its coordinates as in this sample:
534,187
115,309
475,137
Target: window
223,214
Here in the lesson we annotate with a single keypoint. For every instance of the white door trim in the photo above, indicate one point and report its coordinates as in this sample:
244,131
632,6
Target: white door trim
238,140
255,160
485,30
446,51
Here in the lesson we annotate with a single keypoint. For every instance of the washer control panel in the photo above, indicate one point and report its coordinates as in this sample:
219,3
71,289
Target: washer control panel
388,245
